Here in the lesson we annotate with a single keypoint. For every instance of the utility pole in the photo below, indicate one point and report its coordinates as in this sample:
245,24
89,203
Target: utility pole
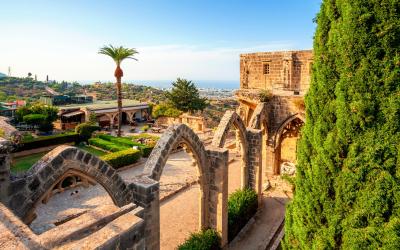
9,71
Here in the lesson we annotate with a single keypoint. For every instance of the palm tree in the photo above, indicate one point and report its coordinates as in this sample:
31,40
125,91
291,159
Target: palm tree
118,54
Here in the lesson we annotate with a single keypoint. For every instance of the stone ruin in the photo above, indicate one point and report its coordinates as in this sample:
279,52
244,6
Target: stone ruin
134,221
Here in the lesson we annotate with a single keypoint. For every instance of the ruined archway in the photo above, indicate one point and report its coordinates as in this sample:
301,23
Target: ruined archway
175,135
35,186
231,118
289,129
260,120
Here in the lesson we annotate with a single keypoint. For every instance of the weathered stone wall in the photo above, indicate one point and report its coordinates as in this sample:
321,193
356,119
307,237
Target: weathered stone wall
196,123
269,70
22,194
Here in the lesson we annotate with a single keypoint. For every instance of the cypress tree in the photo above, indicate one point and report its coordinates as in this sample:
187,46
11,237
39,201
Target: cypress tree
347,193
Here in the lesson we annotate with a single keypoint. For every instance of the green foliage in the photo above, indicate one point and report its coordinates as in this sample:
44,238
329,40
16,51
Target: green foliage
107,145
347,182
145,136
185,96
122,158
29,142
145,128
242,205
165,109
85,130
118,54
205,240
265,95
34,119
127,143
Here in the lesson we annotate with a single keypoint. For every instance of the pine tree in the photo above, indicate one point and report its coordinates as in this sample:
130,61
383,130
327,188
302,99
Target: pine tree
185,96
347,192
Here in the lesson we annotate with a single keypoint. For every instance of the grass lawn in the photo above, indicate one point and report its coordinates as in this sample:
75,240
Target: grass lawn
22,164
92,150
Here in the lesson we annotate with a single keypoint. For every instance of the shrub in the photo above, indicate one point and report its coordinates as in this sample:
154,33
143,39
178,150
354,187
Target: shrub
34,119
122,158
85,130
107,145
145,136
127,142
242,205
165,110
265,95
44,141
205,240
348,156
145,128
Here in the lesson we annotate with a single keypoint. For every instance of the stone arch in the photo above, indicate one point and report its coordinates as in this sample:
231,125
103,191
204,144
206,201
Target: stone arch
288,127
176,134
54,166
232,118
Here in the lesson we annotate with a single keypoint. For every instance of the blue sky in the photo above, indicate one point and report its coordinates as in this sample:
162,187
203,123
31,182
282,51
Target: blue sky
199,40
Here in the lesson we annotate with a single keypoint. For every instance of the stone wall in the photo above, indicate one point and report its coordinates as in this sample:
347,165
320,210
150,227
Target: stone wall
196,123
136,213
276,70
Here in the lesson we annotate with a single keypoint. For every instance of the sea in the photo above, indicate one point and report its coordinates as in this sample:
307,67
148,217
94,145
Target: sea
167,84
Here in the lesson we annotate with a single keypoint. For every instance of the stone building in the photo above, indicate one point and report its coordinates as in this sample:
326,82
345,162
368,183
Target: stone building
271,97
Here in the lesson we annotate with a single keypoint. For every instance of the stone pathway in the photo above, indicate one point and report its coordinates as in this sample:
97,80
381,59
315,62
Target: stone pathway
266,230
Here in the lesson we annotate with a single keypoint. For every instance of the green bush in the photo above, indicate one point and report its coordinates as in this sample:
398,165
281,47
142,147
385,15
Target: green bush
85,130
145,128
122,158
348,157
145,136
165,110
242,205
127,142
107,145
44,141
34,119
205,240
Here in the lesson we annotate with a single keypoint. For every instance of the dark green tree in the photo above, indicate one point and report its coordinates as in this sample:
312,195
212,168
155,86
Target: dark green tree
347,192
185,96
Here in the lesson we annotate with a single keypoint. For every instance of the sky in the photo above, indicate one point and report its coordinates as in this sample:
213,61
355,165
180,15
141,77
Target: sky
193,39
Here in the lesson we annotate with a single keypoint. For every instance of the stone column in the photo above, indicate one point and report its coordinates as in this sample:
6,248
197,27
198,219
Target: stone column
218,191
254,139
5,162
146,194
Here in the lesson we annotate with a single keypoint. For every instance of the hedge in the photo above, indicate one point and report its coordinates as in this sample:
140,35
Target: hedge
242,205
107,145
122,158
127,142
45,141
85,130
205,240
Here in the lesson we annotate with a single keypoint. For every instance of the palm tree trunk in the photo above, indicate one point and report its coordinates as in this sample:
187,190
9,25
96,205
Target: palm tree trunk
119,100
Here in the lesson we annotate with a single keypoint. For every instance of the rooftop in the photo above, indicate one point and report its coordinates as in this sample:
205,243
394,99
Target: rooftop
104,104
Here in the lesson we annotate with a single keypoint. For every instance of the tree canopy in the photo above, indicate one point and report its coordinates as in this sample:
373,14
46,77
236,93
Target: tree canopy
185,96
347,189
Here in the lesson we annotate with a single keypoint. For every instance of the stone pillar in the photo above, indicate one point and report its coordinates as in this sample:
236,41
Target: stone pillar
254,139
5,162
218,191
146,194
